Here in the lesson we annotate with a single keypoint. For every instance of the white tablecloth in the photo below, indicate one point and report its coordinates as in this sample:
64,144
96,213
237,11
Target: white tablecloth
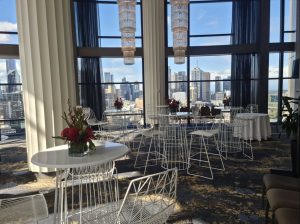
256,126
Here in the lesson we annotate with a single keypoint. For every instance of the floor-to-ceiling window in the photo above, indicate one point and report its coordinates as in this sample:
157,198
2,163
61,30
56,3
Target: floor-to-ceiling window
113,78
215,48
11,101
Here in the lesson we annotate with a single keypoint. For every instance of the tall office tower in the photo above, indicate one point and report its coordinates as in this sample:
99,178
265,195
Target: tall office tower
205,86
169,73
108,77
226,84
13,76
218,84
125,89
181,86
195,89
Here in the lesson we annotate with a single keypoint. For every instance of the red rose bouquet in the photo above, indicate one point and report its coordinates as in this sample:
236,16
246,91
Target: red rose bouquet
173,105
78,134
118,104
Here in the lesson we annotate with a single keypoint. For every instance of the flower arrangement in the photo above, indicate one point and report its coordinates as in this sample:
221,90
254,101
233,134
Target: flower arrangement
118,104
173,105
78,134
226,101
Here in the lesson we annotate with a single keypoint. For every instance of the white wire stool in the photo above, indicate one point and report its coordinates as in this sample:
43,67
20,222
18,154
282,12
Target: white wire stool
27,209
231,139
202,142
173,145
150,152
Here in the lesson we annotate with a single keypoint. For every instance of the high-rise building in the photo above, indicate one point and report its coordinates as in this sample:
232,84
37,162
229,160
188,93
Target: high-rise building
13,76
226,84
195,89
180,86
205,86
218,84
108,77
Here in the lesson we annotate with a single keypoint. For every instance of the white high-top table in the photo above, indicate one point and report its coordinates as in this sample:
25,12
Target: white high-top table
72,171
256,126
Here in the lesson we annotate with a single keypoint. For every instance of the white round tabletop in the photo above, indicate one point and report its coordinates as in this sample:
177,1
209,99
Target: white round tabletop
251,115
57,157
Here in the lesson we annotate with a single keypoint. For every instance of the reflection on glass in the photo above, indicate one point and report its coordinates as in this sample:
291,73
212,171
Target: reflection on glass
288,58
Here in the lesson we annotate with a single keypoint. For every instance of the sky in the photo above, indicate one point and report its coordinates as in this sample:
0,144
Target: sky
206,18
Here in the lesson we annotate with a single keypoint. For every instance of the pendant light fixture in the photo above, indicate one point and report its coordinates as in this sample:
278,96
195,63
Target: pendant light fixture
127,28
179,21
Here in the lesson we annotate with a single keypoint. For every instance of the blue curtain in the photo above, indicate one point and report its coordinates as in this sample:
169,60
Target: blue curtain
89,69
245,30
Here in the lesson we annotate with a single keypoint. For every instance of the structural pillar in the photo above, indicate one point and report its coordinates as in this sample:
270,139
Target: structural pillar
47,65
154,53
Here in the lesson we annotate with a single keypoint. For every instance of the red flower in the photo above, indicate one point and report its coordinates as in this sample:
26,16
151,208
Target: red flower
71,134
89,134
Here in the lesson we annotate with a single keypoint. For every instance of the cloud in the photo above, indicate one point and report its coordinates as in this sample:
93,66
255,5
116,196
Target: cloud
8,26
212,22
4,38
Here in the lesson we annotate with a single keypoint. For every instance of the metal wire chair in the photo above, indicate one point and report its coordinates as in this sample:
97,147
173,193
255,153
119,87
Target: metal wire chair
148,199
174,148
203,141
28,209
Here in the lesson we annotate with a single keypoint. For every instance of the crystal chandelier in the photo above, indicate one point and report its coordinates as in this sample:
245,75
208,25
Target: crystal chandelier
127,29
179,18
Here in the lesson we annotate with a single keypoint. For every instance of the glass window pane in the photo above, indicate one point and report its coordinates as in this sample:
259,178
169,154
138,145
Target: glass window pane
210,18
274,65
131,93
119,72
210,41
113,42
290,8
170,34
9,39
288,58
176,72
11,102
273,100
274,21
10,71
217,67
12,128
109,20
290,37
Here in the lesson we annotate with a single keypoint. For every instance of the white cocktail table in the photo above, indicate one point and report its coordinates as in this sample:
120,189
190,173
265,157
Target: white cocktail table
78,172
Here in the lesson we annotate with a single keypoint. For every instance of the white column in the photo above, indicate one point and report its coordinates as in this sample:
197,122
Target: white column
154,52
47,65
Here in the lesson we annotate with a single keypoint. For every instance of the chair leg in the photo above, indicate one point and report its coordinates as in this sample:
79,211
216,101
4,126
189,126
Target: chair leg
267,213
273,217
263,196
